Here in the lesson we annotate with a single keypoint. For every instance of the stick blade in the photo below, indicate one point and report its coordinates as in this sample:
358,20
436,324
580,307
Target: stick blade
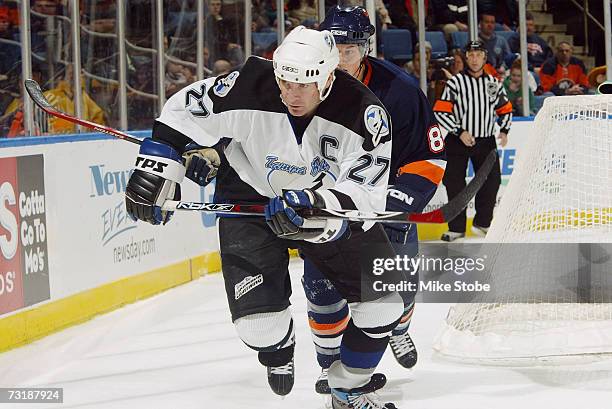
35,92
435,216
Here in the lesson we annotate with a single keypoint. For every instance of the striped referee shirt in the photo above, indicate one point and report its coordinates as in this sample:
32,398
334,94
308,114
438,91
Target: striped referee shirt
474,105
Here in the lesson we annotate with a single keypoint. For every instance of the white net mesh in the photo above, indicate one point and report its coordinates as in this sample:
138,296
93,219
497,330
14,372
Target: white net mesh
550,303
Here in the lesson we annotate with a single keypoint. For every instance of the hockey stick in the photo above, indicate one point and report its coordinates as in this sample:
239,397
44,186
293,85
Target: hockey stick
39,99
442,215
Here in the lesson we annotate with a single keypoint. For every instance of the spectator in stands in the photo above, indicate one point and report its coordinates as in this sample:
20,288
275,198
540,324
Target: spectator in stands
12,11
61,97
177,77
41,37
597,76
533,79
514,90
504,11
450,16
179,17
222,34
48,7
206,58
443,74
10,61
232,34
459,64
404,14
564,74
212,28
99,51
260,17
497,47
11,120
382,15
538,50
6,27
302,12
221,67
139,15
103,19
414,69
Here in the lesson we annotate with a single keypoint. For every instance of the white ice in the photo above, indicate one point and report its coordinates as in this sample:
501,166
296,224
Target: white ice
180,350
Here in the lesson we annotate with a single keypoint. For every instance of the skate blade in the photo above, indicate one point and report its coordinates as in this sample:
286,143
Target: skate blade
327,401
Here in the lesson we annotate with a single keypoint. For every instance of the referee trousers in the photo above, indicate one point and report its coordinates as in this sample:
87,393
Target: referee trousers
457,156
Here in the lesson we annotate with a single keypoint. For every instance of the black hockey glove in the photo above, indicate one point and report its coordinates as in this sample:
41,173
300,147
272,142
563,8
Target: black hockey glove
201,164
159,170
285,222
400,198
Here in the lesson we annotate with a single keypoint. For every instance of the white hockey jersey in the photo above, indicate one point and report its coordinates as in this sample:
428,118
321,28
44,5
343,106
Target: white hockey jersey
344,152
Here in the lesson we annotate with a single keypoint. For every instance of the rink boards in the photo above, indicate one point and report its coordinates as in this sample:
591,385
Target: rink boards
68,249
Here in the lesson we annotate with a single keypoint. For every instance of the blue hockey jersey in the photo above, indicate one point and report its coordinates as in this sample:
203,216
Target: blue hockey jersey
418,145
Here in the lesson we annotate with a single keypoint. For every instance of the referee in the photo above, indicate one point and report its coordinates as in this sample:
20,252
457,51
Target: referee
471,104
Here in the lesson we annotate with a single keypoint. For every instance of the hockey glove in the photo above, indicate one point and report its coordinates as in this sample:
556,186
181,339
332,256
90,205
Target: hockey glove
400,198
283,218
159,170
201,164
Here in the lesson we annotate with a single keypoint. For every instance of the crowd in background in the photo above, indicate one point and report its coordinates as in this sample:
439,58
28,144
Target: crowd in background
551,71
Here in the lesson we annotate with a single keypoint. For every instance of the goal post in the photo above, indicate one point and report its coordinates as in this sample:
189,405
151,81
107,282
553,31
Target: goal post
552,299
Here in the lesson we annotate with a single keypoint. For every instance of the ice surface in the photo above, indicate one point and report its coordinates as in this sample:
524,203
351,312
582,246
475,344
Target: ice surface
180,350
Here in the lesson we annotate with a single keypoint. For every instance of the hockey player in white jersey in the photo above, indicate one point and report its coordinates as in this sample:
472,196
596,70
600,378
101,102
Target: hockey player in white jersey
302,135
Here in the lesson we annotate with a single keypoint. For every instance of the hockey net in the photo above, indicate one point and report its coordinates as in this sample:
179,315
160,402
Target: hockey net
550,303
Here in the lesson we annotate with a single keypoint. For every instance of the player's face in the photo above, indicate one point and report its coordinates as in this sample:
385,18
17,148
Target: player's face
301,99
476,60
350,58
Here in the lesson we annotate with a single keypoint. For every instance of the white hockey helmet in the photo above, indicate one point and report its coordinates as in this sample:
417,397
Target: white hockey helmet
307,56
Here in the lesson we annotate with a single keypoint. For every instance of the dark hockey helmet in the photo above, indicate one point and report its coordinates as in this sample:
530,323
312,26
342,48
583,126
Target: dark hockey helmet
348,25
476,45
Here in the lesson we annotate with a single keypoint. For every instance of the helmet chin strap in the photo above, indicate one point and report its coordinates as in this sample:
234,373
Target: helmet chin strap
325,92
357,72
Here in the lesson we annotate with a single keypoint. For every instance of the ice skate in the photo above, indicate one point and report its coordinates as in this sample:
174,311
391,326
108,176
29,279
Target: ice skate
452,236
479,231
404,350
280,378
358,398
377,381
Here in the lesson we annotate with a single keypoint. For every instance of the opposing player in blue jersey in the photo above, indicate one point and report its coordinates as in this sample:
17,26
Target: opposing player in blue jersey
417,166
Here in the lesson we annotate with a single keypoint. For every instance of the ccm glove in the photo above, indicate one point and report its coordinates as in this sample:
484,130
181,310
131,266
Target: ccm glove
158,171
285,222
400,198
201,164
